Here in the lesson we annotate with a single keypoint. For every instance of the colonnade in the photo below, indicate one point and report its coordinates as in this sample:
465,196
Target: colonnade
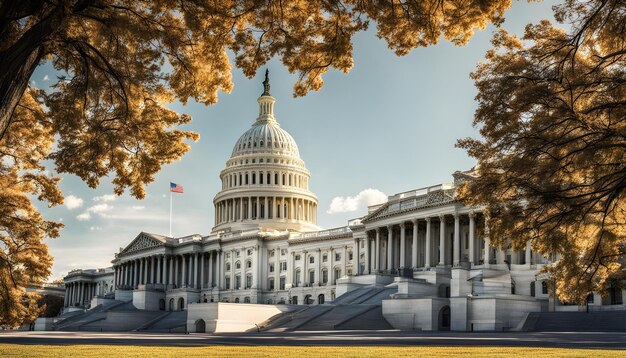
265,208
433,242
193,270
81,292
276,178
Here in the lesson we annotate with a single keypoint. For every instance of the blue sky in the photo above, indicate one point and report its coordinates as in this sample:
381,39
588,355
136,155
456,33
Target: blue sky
390,125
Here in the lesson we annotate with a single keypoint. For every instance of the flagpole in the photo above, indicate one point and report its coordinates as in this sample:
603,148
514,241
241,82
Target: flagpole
170,212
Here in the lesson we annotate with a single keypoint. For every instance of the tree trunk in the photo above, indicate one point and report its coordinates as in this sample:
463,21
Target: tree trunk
18,62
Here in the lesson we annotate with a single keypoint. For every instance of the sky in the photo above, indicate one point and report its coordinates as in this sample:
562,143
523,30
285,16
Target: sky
389,125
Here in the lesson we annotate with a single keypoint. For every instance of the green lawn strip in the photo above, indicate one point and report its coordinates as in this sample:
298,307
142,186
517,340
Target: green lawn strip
15,350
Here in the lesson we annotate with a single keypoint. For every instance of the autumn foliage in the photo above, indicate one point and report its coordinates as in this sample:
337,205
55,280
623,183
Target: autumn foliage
552,157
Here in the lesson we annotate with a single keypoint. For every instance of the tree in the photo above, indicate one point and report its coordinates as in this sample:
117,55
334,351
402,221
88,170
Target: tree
552,158
121,62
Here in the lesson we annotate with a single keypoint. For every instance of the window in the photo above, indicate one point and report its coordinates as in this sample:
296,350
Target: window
311,277
324,258
325,276
246,300
237,282
337,256
249,252
237,265
544,287
237,254
282,283
337,274
297,257
283,252
227,267
248,281
248,264
350,255
228,283
272,253
532,289
227,255
271,283
271,267
283,266
311,259
298,278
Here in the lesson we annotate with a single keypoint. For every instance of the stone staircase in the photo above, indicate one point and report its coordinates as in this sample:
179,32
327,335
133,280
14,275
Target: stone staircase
173,321
356,309
594,321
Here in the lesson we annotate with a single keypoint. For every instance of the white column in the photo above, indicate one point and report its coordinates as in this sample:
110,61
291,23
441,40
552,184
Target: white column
255,266
158,278
331,273
194,271
153,270
318,268
266,209
487,246
171,273
472,229
356,262
210,278
258,208
389,247
457,240
414,247
367,255
344,258
402,246
201,270
377,251
528,256
250,208
277,268
305,268
290,268
176,264
442,239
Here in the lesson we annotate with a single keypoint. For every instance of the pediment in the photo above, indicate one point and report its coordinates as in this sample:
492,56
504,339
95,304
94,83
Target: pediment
435,198
144,241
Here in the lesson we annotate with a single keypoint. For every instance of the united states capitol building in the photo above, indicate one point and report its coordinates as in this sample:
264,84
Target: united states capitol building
420,261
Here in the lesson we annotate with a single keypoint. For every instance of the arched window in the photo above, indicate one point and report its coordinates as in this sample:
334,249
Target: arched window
275,178
268,179
248,264
253,178
236,299
544,287
246,300
298,278
283,179
246,178
228,267
238,265
260,178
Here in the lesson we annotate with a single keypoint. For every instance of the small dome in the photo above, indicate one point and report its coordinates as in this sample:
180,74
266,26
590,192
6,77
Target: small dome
266,136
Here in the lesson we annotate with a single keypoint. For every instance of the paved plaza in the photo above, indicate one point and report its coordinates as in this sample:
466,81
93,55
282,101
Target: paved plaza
611,340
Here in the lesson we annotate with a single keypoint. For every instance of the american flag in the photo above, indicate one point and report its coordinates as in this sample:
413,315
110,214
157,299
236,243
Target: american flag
176,188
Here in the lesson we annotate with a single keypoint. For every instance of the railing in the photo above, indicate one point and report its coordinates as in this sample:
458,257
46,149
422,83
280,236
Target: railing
432,197
329,232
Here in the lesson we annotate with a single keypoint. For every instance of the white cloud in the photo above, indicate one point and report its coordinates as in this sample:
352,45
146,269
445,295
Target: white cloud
104,198
72,202
84,216
95,228
45,78
367,197
138,207
99,208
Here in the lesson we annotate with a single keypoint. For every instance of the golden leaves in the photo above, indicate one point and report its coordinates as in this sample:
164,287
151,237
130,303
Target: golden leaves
552,157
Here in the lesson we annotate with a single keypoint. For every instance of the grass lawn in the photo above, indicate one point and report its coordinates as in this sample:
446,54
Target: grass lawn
16,350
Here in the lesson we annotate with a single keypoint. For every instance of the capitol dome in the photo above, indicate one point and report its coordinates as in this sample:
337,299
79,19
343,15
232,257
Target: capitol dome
266,136
265,184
